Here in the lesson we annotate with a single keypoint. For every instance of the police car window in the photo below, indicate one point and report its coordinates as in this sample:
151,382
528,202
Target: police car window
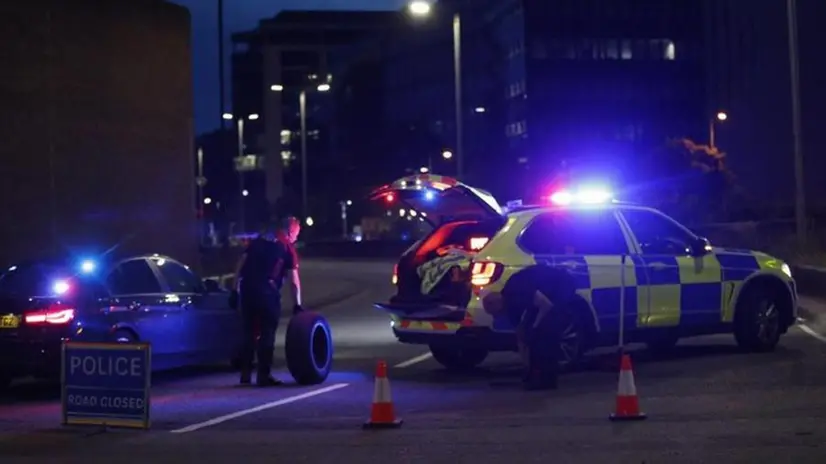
656,234
132,278
587,232
179,279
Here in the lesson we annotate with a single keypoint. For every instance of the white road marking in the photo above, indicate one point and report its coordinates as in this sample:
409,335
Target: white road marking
263,407
812,332
412,361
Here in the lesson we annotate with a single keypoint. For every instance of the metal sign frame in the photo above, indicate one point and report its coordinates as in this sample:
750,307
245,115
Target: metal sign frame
145,421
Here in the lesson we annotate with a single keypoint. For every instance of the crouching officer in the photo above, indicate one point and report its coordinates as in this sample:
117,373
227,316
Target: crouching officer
539,323
259,276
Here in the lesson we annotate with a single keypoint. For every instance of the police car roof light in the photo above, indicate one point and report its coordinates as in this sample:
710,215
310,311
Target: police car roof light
588,196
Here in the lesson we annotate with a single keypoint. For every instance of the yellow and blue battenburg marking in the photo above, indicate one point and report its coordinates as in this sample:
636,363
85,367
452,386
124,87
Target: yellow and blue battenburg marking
660,290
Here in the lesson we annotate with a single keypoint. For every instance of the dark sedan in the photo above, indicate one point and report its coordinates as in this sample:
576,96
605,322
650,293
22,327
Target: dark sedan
150,298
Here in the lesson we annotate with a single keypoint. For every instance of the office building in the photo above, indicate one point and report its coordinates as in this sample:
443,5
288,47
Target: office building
272,65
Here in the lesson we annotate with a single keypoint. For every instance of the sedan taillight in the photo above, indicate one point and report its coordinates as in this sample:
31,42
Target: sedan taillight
55,314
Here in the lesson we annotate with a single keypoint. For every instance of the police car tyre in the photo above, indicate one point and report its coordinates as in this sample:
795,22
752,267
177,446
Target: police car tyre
309,348
758,321
457,357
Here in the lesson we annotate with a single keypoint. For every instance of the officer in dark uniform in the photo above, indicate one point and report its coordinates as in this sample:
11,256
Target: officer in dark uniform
538,324
260,274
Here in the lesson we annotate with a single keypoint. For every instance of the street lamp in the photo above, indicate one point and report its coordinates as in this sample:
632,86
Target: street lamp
302,104
797,130
721,116
421,8
447,154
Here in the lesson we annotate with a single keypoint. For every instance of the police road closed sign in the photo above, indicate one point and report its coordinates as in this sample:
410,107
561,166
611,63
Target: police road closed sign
106,384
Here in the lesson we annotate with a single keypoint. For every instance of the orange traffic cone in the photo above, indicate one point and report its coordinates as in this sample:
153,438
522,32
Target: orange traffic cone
382,415
628,405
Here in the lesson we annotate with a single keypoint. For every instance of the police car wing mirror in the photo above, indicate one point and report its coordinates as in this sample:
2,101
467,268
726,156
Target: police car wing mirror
211,286
700,247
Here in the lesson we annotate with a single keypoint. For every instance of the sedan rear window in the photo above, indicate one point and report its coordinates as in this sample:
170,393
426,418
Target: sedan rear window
31,280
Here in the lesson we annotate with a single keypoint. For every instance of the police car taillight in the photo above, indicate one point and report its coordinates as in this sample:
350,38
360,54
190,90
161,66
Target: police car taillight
485,273
395,278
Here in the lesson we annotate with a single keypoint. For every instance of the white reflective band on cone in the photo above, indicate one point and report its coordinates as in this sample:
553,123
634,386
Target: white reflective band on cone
626,384
381,391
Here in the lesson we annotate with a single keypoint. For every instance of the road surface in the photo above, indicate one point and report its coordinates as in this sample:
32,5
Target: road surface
707,403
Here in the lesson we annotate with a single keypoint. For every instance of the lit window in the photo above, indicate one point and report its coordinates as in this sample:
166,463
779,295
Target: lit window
625,50
670,50
286,155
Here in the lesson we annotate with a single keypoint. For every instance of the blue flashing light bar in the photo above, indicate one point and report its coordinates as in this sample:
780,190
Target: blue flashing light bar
583,196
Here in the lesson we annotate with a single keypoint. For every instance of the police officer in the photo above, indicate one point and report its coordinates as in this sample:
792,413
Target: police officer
259,276
538,322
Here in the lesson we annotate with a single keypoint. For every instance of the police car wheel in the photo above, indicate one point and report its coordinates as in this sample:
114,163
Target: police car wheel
757,325
309,348
458,358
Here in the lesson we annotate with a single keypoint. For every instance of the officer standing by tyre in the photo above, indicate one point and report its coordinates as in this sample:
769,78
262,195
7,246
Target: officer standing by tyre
259,276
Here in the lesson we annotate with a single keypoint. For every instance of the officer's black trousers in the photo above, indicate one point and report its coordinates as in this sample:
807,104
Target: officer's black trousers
544,352
261,310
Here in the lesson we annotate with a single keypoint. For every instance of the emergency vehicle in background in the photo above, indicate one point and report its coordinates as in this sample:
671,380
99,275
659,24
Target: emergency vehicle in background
608,266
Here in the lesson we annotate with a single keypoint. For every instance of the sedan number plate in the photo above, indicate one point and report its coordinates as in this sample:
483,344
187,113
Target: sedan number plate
9,321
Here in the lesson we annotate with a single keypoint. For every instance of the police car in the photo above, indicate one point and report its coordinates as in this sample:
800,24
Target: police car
612,268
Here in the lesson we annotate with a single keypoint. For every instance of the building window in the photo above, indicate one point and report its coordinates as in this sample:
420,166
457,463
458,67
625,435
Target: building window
608,49
285,137
286,157
625,50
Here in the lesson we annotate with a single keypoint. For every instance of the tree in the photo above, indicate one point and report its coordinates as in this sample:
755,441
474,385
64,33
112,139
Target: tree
696,181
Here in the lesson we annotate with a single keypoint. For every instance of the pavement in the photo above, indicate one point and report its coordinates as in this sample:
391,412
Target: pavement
705,403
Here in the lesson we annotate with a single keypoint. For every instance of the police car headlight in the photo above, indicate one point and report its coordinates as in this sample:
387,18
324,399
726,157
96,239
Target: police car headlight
786,270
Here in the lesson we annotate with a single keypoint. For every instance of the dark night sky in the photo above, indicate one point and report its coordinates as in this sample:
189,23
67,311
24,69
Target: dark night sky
241,15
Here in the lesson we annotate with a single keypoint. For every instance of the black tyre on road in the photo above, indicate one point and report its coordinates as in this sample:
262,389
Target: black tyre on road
309,348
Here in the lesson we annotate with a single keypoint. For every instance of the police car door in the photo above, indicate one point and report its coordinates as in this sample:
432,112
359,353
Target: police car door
589,244
683,290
